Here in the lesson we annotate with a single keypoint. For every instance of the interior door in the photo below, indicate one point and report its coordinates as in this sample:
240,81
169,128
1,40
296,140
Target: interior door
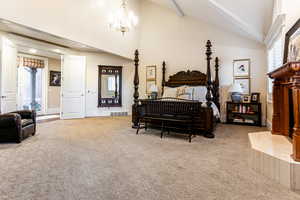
8,76
73,87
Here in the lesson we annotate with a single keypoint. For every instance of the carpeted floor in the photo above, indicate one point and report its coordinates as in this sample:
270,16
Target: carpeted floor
102,158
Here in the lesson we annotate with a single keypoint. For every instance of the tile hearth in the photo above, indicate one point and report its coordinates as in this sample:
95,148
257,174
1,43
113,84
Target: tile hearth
271,156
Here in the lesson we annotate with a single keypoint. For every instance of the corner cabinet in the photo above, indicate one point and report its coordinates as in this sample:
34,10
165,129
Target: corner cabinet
243,113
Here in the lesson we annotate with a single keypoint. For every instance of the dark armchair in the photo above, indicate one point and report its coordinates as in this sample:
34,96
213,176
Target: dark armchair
17,125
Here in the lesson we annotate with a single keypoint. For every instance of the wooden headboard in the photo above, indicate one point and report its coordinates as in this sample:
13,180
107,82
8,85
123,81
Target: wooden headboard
196,78
190,78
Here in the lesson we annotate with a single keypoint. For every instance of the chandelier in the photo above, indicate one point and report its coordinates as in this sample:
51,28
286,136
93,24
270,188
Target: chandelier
123,20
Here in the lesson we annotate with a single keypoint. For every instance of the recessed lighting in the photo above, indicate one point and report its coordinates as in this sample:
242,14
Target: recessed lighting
57,50
32,50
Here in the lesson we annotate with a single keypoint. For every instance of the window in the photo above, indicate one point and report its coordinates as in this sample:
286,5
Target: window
275,59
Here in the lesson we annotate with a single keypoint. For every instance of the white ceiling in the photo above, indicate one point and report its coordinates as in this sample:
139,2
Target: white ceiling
27,38
250,18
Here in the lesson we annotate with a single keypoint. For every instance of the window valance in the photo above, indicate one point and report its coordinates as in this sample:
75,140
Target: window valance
33,63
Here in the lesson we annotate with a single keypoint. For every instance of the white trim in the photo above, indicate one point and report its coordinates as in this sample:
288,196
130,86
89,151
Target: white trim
269,125
250,31
53,111
178,9
275,30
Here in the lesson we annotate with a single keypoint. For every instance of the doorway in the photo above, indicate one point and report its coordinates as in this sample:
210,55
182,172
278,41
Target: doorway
32,83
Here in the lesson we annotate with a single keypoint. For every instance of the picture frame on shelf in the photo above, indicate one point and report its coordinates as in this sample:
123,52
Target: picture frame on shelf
255,97
245,84
246,99
241,68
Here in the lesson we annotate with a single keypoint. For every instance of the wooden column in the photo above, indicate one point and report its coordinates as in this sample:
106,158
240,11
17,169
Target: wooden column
296,130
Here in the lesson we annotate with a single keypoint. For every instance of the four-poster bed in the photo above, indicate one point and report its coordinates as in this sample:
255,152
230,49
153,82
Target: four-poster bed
204,120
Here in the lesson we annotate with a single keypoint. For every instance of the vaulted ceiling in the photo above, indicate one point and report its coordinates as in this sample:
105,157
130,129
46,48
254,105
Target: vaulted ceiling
250,18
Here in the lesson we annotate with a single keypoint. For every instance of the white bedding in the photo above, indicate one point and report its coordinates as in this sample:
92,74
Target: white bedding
191,93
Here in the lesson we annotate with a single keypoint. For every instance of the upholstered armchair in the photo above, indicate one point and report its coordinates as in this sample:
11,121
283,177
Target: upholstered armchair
17,125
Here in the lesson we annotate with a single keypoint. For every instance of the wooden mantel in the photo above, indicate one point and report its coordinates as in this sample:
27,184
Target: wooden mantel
286,104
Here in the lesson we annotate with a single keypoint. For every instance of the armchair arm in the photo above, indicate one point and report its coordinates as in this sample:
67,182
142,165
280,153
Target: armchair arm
10,120
27,114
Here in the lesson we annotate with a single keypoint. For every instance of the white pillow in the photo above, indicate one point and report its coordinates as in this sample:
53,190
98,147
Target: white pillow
200,93
170,92
185,96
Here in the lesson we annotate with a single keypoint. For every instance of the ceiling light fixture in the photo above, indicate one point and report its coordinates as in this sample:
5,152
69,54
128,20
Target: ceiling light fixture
32,50
57,51
123,20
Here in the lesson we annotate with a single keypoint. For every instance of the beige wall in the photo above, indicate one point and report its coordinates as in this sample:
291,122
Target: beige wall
93,60
180,41
53,92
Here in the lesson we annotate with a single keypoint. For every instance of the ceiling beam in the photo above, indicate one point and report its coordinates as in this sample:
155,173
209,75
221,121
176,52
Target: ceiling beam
178,9
241,24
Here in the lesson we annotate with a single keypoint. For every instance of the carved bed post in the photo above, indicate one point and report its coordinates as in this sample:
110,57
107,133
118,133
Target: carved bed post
216,84
208,74
136,77
163,78
136,82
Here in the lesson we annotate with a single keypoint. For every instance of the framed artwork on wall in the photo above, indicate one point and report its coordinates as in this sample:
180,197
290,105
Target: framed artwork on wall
292,44
241,68
55,78
245,84
150,78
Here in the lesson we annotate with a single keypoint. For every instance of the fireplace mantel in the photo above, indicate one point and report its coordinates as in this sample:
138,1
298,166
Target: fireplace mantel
286,104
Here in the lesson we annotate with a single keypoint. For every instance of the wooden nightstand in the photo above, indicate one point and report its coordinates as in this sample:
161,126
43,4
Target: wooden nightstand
243,113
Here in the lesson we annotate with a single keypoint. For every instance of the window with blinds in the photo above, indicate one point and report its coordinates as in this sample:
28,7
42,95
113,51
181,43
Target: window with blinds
275,59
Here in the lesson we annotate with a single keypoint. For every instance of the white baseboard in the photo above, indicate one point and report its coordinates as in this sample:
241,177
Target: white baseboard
51,111
269,125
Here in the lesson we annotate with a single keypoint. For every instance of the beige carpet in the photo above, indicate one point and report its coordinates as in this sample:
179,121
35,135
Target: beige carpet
102,158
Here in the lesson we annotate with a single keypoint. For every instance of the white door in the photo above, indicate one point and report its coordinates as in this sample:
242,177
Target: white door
8,76
73,87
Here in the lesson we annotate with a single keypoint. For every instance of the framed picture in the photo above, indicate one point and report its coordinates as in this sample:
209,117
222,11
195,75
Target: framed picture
241,68
246,99
255,97
292,44
245,84
151,73
148,86
55,78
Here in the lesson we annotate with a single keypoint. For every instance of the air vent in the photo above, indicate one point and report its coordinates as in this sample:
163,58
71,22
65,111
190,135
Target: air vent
117,114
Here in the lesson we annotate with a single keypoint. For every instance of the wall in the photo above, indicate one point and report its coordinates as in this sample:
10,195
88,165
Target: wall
291,9
84,21
180,41
53,92
93,60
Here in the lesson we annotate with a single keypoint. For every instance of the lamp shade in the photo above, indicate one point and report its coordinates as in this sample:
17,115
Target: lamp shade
153,88
236,87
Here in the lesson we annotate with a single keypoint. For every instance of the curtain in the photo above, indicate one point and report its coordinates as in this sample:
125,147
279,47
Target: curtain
32,63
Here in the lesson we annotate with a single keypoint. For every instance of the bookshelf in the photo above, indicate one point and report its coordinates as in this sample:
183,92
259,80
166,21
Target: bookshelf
244,113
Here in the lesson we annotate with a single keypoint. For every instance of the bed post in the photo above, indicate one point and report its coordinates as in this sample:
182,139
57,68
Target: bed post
208,74
216,84
136,91
163,78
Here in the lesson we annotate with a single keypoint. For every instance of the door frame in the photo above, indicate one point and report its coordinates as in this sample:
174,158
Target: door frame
44,82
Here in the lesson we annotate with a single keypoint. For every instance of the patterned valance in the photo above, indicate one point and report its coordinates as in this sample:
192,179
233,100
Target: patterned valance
33,63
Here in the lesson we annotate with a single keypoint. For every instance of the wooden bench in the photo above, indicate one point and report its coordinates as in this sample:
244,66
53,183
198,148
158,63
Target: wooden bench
167,113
